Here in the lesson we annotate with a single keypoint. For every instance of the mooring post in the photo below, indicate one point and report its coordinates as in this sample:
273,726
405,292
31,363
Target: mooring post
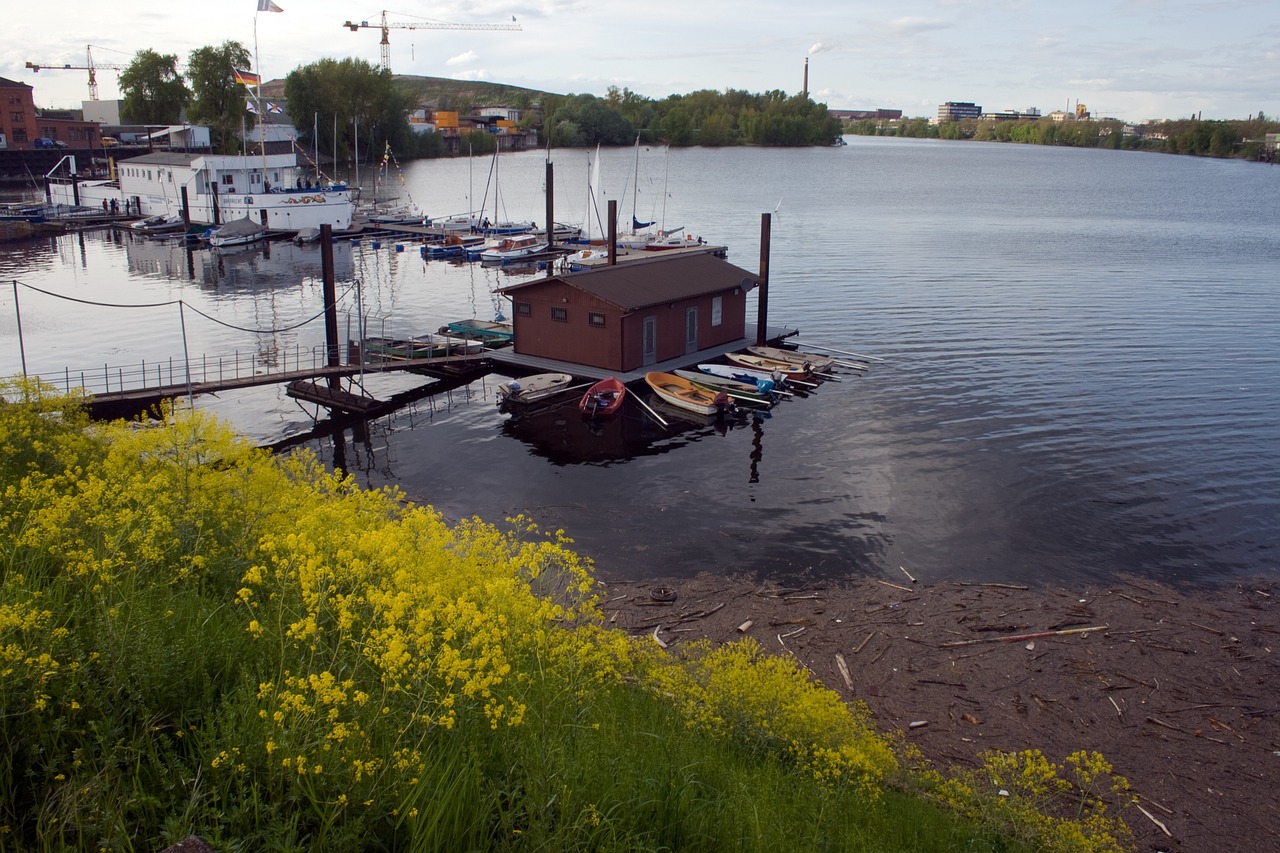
613,232
551,207
332,356
762,299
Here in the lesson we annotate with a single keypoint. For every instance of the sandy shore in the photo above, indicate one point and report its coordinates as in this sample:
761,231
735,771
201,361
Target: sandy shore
1175,687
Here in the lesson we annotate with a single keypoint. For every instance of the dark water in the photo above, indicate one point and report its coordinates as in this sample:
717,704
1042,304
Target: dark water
1079,379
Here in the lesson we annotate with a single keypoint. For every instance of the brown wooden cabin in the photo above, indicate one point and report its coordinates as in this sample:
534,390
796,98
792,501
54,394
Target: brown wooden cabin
632,315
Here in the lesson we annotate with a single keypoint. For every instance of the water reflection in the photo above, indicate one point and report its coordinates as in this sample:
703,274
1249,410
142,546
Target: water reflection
564,436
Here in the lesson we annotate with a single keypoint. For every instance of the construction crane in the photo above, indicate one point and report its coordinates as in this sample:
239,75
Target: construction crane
89,66
386,27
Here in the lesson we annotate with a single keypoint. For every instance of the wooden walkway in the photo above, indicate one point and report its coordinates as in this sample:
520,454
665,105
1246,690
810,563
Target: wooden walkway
142,399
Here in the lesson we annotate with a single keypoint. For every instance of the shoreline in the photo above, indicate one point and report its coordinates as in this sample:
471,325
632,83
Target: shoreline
1172,686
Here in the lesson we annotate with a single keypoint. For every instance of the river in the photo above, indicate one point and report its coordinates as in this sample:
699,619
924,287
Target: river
1080,352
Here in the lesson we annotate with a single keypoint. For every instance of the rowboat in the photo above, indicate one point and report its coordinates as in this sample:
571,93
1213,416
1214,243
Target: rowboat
680,392
492,333
818,363
760,390
742,374
604,398
527,389
769,365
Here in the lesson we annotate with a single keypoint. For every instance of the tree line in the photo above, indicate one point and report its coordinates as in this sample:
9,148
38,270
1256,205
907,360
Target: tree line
1239,139
349,97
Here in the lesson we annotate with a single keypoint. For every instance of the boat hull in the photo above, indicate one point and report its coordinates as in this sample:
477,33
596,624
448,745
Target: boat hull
529,389
604,398
680,392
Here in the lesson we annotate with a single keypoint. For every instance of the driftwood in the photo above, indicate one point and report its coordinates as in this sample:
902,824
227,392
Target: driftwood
1154,820
844,670
1016,637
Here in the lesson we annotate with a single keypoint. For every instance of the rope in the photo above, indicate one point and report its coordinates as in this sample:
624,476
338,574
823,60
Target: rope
186,304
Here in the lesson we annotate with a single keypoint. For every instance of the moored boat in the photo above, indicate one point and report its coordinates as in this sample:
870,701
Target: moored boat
165,223
769,365
512,248
680,392
812,361
454,245
528,389
492,333
237,232
604,398
742,374
759,390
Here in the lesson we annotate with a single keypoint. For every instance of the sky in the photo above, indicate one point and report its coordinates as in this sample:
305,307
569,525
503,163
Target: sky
1136,60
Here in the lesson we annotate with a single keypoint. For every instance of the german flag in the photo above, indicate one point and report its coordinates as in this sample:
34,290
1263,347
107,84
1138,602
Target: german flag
246,78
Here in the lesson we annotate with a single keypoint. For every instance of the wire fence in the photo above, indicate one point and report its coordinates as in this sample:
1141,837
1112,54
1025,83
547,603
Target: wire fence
207,370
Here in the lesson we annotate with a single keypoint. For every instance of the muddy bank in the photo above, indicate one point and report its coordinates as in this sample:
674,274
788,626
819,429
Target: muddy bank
1175,687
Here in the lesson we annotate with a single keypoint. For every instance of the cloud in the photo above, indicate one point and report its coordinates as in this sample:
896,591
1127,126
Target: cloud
462,58
821,47
910,25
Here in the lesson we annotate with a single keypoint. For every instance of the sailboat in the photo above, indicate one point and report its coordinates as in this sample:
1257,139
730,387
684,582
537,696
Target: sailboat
498,227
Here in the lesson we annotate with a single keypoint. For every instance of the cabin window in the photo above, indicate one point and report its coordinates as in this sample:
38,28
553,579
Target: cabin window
596,319
560,315
228,180
717,309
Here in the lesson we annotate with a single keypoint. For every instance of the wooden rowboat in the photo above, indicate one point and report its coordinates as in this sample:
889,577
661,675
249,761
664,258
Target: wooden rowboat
817,363
769,365
684,394
604,398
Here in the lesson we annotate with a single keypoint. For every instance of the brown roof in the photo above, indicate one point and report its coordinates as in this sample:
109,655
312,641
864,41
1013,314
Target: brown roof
640,284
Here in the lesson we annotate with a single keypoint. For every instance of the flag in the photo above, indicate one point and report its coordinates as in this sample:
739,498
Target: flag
248,78
274,108
251,107
268,6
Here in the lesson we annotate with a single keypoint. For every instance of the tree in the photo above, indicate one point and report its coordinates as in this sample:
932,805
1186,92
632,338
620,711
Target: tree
350,93
217,99
154,91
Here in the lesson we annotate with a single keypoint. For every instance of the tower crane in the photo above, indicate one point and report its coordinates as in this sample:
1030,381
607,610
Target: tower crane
386,27
89,66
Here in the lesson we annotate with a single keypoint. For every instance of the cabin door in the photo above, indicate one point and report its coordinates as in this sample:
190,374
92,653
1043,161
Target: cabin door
690,330
649,342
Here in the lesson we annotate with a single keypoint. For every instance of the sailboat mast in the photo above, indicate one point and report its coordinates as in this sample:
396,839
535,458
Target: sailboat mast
635,185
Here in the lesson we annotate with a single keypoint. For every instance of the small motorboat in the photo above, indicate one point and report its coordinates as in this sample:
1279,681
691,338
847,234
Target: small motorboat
604,398
492,333
684,394
528,389
157,225
237,232
514,248
454,245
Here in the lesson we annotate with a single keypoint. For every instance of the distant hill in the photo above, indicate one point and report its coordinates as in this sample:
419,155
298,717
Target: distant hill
446,93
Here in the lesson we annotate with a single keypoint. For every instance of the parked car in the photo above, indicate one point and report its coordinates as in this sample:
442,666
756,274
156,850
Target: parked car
110,142
46,142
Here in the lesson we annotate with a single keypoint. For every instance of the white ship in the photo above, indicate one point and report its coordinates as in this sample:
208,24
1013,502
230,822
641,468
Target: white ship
272,190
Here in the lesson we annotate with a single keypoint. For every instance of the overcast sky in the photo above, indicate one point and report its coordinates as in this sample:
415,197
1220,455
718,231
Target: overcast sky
1132,59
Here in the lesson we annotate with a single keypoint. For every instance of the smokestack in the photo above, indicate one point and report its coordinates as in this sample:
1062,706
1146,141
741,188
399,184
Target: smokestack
805,90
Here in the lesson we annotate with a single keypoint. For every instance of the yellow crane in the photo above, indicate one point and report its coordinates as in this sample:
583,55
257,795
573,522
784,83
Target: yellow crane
386,27
89,66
